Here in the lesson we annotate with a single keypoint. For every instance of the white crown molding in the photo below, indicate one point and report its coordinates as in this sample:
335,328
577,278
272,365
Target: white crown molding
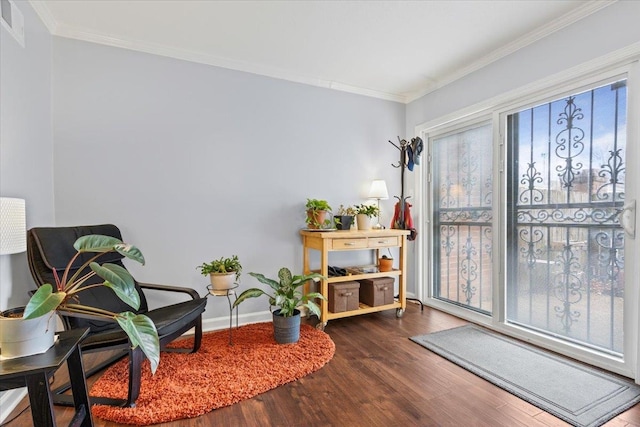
564,21
61,30
592,69
45,15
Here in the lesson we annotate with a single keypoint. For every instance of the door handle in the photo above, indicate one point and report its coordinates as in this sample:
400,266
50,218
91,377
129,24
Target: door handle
628,218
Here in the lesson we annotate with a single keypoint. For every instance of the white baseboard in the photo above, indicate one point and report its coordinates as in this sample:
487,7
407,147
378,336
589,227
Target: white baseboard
9,400
218,323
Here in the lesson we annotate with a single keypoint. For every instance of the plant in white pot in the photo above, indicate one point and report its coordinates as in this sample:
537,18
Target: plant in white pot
223,272
139,328
364,214
287,296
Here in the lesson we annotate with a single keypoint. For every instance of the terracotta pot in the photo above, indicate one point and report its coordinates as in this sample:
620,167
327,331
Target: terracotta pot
316,218
385,264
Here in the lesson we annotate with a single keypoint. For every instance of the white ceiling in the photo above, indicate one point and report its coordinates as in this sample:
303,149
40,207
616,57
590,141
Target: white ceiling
396,50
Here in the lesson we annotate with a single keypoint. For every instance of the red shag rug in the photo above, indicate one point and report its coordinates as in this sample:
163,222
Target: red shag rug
189,385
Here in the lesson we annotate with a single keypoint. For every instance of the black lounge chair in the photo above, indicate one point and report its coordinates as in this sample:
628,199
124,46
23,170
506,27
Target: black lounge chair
51,248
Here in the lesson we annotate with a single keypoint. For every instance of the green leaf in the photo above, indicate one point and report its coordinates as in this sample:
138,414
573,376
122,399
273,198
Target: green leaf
96,243
313,308
298,280
142,332
43,301
312,295
249,293
130,252
120,281
285,276
262,279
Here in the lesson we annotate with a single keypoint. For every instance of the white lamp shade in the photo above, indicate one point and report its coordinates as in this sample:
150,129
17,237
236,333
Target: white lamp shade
13,228
378,190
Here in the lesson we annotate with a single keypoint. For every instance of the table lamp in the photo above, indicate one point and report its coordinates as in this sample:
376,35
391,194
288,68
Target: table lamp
13,230
379,192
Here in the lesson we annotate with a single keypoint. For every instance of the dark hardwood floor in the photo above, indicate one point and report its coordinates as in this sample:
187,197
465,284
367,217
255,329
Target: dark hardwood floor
378,377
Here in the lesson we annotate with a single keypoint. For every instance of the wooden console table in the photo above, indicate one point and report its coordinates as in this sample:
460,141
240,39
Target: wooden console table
34,372
373,240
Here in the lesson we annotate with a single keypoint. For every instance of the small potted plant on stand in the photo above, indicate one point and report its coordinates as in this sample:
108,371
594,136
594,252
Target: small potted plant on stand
317,211
44,302
364,214
223,272
344,217
286,296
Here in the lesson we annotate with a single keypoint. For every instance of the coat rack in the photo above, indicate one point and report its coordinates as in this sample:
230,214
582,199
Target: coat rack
402,164
409,155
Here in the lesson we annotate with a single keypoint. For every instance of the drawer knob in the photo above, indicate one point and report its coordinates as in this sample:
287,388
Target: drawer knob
350,243
383,241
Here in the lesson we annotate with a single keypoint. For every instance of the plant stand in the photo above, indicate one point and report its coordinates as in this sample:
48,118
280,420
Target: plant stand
227,293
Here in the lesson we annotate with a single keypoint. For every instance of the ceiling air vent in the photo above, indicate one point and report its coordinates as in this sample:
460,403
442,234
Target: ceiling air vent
12,20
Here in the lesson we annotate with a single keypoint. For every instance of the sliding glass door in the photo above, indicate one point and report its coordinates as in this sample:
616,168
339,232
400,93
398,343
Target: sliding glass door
462,217
565,191
524,214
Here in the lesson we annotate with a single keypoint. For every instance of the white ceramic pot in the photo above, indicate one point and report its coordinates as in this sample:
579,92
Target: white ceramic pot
20,337
364,222
222,281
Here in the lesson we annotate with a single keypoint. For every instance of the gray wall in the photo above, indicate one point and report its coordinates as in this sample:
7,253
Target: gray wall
26,151
26,142
196,162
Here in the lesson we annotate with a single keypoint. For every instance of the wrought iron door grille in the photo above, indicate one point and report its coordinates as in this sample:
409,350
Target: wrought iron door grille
462,179
565,191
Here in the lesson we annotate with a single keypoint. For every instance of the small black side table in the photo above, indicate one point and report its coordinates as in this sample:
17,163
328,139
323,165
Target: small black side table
34,372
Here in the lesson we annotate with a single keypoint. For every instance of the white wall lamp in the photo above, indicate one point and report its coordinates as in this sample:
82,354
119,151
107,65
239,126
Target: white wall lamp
379,192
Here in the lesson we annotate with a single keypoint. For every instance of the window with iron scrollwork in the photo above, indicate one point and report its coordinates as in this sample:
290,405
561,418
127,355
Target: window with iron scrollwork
565,190
462,216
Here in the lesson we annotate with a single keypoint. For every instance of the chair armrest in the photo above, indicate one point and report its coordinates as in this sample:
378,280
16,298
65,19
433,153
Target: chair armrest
156,287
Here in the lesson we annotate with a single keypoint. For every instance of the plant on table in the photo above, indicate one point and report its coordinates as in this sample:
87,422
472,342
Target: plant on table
139,328
368,210
317,213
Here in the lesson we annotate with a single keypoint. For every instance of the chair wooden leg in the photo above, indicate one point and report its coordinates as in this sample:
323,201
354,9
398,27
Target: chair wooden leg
197,338
136,356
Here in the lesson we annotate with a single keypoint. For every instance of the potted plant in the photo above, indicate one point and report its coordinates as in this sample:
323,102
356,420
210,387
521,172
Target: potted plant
364,213
344,217
223,272
385,263
285,295
140,328
317,214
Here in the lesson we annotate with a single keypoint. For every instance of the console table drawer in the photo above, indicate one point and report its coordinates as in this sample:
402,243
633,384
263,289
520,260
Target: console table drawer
383,242
349,243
